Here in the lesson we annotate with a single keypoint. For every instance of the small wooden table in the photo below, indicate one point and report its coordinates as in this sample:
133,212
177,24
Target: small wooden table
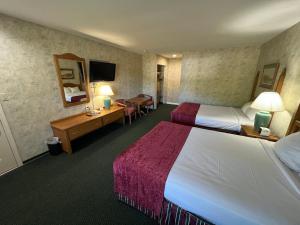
73,127
249,131
139,101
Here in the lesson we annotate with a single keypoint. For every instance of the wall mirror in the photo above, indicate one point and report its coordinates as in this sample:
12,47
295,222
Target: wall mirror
269,76
72,78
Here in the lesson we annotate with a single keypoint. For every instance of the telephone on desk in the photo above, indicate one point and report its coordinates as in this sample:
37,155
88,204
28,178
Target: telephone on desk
264,131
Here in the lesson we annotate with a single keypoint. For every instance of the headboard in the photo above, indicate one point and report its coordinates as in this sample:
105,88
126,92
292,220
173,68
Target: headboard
295,123
71,85
278,87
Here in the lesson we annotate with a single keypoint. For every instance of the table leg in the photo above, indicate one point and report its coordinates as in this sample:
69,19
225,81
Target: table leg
139,110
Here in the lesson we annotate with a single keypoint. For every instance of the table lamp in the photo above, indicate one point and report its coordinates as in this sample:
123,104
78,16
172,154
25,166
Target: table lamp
266,102
106,91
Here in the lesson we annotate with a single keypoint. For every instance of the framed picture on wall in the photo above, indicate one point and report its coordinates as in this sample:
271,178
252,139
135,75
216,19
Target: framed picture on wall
67,73
268,77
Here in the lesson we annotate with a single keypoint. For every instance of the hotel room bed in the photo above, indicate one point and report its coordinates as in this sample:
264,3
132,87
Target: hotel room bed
216,117
183,175
227,119
76,97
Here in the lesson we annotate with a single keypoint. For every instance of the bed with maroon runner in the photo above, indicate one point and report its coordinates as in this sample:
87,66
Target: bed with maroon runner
219,118
141,171
78,98
185,113
178,174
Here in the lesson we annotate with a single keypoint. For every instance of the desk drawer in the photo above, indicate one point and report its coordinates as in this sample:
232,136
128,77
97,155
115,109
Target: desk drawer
112,117
83,129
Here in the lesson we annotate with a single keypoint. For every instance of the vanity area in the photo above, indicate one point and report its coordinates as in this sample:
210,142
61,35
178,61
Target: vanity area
74,88
73,127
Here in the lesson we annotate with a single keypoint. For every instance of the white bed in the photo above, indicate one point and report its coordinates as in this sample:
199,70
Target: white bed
226,118
70,95
230,179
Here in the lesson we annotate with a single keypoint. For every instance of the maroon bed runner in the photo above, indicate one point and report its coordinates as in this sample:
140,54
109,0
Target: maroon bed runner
140,172
185,113
77,98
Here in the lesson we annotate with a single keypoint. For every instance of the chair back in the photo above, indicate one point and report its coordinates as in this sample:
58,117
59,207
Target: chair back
121,102
145,96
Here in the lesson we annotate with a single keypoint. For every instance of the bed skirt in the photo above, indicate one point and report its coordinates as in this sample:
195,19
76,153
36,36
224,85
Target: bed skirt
170,214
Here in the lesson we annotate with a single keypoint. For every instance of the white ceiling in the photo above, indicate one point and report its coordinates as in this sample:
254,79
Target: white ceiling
163,26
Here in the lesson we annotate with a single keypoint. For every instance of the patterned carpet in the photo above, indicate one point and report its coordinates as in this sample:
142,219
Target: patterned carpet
75,189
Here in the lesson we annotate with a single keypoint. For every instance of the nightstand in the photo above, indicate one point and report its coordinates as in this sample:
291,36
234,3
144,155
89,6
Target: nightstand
249,131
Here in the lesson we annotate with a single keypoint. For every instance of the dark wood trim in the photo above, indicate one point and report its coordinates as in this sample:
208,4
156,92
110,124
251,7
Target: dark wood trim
276,65
255,86
278,87
280,81
295,123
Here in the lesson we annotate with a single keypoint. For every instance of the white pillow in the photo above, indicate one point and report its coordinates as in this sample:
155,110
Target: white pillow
75,89
245,107
67,90
248,111
287,150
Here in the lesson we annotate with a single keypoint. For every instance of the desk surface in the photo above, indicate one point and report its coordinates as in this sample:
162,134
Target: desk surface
68,122
138,100
250,132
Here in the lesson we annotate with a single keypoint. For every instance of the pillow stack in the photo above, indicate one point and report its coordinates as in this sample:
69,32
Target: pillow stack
287,150
248,111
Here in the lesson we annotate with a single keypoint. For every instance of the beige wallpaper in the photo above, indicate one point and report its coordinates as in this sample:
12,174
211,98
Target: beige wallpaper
173,80
218,77
149,75
285,49
164,61
29,81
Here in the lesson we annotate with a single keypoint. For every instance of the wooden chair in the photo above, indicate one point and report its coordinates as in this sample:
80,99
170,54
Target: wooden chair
130,108
149,103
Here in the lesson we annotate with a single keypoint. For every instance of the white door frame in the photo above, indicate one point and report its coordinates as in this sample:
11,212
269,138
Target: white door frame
10,138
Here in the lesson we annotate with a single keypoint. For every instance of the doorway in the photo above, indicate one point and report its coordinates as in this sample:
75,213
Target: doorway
9,158
160,84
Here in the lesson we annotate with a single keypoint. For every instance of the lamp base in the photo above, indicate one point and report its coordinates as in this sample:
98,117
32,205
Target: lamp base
107,103
262,119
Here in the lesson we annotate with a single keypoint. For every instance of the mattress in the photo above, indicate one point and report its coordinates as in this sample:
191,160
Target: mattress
220,117
230,179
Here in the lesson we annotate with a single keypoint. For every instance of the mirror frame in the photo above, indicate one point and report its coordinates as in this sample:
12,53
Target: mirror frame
274,66
70,56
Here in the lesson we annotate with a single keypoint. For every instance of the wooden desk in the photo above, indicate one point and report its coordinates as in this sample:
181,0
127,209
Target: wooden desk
70,128
139,101
250,132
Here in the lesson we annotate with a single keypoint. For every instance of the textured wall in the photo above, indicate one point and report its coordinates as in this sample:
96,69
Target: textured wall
29,79
218,77
285,49
149,75
164,61
173,80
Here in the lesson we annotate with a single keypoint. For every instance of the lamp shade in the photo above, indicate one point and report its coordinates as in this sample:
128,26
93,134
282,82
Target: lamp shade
268,101
105,90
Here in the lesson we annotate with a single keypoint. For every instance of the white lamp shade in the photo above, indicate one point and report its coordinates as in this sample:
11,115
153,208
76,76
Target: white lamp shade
105,90
268,101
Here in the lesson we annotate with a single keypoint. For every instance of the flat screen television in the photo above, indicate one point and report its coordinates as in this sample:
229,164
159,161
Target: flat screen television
102,71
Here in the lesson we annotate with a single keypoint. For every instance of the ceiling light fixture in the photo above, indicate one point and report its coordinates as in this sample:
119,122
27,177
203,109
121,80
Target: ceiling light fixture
174,55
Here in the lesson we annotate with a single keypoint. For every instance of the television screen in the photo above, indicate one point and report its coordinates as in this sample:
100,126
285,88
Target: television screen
102,71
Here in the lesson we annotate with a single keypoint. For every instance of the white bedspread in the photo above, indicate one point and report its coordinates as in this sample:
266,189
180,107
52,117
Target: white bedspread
221,117
230,179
